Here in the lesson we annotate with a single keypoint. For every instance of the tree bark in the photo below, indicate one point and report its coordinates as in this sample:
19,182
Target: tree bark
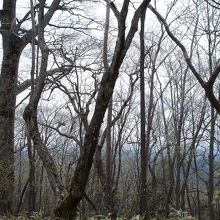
108,186
211,167
12,47
143,156
32,178
109,200
198,202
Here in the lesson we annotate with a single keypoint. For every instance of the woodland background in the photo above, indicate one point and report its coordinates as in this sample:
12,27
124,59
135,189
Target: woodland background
110,107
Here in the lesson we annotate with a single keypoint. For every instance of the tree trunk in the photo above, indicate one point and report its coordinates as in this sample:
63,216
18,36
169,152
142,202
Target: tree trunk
213,120
143,156
30,115
109,200
211,167
12,47
32,179
197,190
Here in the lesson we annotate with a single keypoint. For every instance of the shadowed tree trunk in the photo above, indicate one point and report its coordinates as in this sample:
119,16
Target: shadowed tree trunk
211,167
143,156
12,47
211,157
198,202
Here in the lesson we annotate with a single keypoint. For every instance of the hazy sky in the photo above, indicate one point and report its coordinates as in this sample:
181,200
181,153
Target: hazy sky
98,12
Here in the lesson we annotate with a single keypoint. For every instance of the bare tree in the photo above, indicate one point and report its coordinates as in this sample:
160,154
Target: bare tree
80,178
208,85
30,112
13,44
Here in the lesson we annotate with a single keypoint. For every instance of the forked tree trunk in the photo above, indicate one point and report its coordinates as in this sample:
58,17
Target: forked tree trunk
68,208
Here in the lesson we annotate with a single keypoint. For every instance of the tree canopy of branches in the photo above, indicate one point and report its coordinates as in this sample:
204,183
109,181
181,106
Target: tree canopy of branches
94,120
